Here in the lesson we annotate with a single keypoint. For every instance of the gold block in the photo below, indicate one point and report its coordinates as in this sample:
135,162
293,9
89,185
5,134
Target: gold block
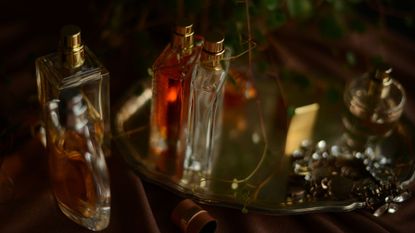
301,126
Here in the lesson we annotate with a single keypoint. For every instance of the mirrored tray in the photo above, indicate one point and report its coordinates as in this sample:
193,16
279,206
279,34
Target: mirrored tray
259,168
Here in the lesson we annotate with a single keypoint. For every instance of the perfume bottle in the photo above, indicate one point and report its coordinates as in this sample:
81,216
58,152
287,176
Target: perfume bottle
77,165
170,101
74,65
206,101
374,105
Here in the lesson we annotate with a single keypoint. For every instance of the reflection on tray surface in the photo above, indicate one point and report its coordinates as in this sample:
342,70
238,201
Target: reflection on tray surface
260,168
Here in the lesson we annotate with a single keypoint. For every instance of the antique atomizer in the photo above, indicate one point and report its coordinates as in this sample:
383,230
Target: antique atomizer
374,105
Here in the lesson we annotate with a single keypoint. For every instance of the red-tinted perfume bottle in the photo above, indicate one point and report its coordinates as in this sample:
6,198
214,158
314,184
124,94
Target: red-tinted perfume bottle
170,102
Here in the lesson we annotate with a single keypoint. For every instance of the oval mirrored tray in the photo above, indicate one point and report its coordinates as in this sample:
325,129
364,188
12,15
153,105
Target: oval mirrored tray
279,151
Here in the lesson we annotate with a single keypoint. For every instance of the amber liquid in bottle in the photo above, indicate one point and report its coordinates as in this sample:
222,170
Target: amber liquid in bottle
170,117
73,181
171,90
77,166
73,89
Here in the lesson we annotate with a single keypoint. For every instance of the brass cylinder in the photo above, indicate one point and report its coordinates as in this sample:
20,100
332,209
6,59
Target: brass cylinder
380,82
71,47
183,35
191,218
213,50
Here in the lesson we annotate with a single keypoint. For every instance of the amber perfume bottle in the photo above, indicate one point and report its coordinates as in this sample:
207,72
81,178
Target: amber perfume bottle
77,128
77,165
374,105
170,101
206,103
74,65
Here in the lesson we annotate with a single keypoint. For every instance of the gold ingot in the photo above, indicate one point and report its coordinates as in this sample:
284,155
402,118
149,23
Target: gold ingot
301,126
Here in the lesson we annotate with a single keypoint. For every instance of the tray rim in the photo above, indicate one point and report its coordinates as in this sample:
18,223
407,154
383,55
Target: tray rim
142,171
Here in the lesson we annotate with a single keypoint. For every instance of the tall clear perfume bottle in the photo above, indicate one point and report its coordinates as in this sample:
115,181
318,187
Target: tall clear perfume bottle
170,102
206,100
77,129
74,65
78,170
374,105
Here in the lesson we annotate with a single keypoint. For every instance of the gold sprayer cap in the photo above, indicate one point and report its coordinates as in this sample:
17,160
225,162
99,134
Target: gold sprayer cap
71,47
213,43
213,50
380,82
183,35
383,75
191,218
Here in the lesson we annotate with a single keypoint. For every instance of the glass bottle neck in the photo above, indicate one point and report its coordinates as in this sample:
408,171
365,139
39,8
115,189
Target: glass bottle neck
72,58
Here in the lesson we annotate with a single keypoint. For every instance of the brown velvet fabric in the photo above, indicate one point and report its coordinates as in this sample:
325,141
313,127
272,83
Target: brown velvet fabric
33,207
143,207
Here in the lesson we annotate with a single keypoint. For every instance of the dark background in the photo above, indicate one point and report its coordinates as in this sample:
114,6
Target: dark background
127,35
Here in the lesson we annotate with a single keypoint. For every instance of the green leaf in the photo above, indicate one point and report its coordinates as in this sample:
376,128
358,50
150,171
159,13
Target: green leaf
350,58
377,60
330,27
355,1
290,111
262,66
244,210
270,4
338,5
192,6
357,25
299,8
409,21
276,19
116,18
255,10
333,95
301,80
258,37
239,15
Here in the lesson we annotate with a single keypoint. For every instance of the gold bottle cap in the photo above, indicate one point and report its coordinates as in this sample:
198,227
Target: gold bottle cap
214,43
71,36
184,27
191,218
71,46
383,76
213,50
183,35
380,82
